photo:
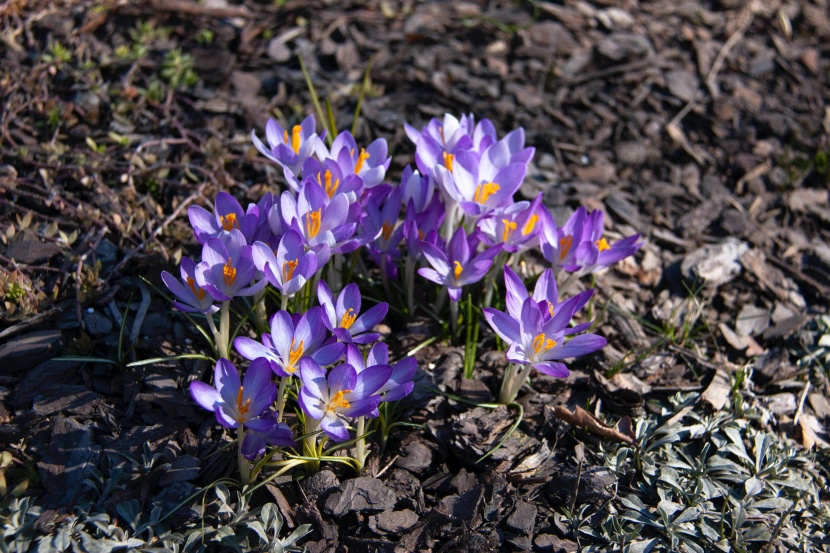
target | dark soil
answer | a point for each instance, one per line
(698, 124)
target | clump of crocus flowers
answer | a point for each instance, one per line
(452, 220)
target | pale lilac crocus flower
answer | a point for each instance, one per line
(227, 215)
(190, 297)
(344, 393)
(370, 164)
(516, 227)
(236, 402)
(290, 267)
(227, 267)
(343, 317)
(545, 294)
(400, 382)
(456, 268)
(290, 149)
(265, 430)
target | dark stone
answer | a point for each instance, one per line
(32, 252)
(523, 518)
(320, 485)
(27, 351)
(49, 372)
(464, 507)
(67, 462)
(554, 544)
(69, 398)
(96, 323)
(416, 458)
(362, 495)
(133, 440)
(394, 522)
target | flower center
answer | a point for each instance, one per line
(312, 222)
(348, 318)
(294, 356)
(448, 159)
(242, 408)
(339, 401)
(530, 225)
(565, 244)
(541, 344)
(229, 273)
(288, 269)
(329, 187)
(364, 155)
(197, 291)
(602, 244)
(229, 221)
(457, 270)
(295, 138)
(386, 230)
(509, 227)
(484, 191)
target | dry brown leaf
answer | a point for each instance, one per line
(581, 417)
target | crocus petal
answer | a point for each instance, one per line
(553, 369)
(206, 396)
(371, 380)
(334, 428)
(370, 318)
(504, 325)
(581, 345)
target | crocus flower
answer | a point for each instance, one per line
(235, 402)
(344, 393)
(540, 341)
(370, 164)
(457, 268)
(227, 215)
(579, 246)
(545, 294)
(227, 267)
(190, 297)
(400, 382)
(482, 184)
(290, 149)
(290, 268)
(318, 219)
(439, 141)
(343, 317)
(516, 227)
(291, 339)
(265, 430)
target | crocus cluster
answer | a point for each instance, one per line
(452, 219)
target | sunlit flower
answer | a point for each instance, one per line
(400, 382)
(343, 317)
(227, 215)
(232, 401)
(290, 268)
(190, 297)
(370, 163)
(516, 227)
(290, 147)
(227, 267)
(456, 268)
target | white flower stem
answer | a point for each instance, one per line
(224, 335)
(281, 397)
(454, 317)
(360, 445)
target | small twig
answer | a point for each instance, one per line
(193, 8)
(801, 404)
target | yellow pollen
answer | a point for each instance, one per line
(348, 319)
(360, 160)
(530, 225)
(542, 343)
(295, 138)
(484, 191)
(602, 244)
(294, 356)
(420, 234)
(242, 409)
(312, 223)
(339, 401)
(509, 227)
(229, 273)
(386, 230)
(200, 294)
(448, 159)
(288, 269)
(457, 270)
(229, 221)
(329, 187)
(550, 309)
(565, 246)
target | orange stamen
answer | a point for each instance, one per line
(386, 230)
(530, 225)
(288, 269)
(542, 343)
(329, 187)
(484, 191)
(200, 294)
(565, 246)
(295, 138)
(312, 223)
(360, 160)
(348, 319)
(602, 244)
(229, 221)
(448, 159)
(294, 356)
(457, 270)
(550, 309)
(242, 409)
(229, 273)
(509, 227)
(339, 401)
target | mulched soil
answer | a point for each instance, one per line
(702, 125)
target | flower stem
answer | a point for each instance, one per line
(260, 315)
(283, 302)
(224, 335)
(409, 276)
(281, 397)
(360, 445)
(213, 330)
(310, 443)
(244, 465)
(454, 317)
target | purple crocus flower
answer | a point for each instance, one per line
(190, 297)
(370, 164)
(345, 393)
(227, 215)
(291, 339)
(516, 227)
(227, 267)
(318, 219)
(232, 401)
(290, 268)
(482, 184)
(579, 246)
(265, 430)
(456, 269)
(400, 382)
(540, 341)
(440, 140)
(545, 294)
(343, 317)
(290, 149)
